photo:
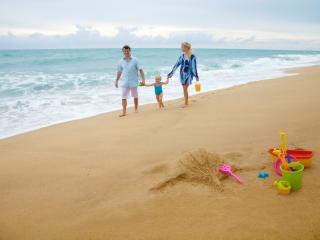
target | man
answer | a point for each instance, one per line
(128, 71)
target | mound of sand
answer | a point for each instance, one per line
(199, 167)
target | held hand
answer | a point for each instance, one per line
(116, 84)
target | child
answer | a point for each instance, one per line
(158, 89)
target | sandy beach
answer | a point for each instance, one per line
(107, 177)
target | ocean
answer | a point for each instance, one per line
(39, 88)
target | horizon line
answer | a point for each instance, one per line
(97, 48)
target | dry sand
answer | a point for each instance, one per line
(111, 178)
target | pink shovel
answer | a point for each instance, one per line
(226, 169)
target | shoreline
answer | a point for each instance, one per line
(287, 73)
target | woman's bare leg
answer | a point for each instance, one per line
(186, 94)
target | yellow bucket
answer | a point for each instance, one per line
(198, 87)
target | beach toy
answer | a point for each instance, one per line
(278, 163)
(284, 161)
(263, 175)
(274, 154)
(276, 167)
(288, 157)
(197, 87)
(293, 177)
(277, 152)
(283, 143)
(226, 169)
(283, 150)
(283, 187)
(305, 157)
(289, 161)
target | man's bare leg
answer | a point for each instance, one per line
(124, 108)
(136, 102)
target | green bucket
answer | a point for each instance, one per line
(293, 177)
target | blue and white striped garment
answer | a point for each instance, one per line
(188, 69)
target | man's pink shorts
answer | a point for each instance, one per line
(126, 91)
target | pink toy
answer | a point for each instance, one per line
(276, 167)
(278, 163)
(226, 169)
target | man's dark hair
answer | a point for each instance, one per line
(126, 47)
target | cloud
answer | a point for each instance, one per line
(89, 37)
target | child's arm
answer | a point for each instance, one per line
(165, 83)
(149, 84)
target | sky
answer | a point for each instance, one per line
(256, 24)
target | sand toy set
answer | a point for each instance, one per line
(290, 165)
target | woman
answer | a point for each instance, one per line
(188, 69)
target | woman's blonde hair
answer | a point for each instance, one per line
(189, 47)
